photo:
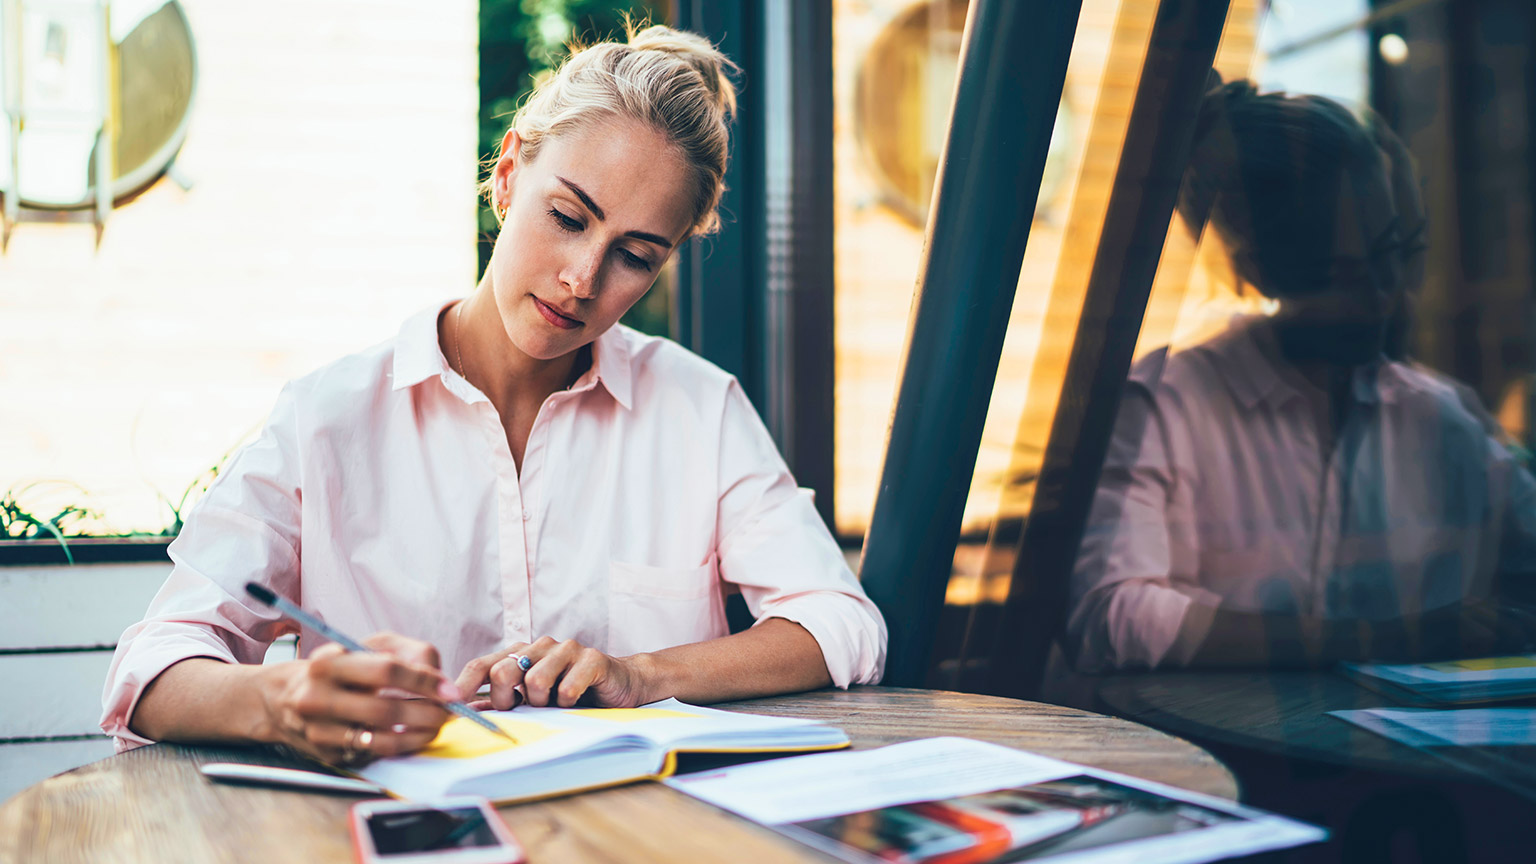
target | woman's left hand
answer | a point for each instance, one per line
(562, 673)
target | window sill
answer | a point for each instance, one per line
(85, 550)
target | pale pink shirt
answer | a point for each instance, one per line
(1216, 492)
(382, 495)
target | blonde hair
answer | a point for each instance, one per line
(673, 81)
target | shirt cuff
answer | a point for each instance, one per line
(136, 667)
(1193, 628)
(852, 638)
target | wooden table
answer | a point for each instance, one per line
(152, 805)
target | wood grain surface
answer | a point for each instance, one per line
(152, 805)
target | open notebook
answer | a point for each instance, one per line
(1451, 682)
(564, 750)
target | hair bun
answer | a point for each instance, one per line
(696, 51)
(1219, 101)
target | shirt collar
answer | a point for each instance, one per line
(1253, 378)
(1248, 373)
(610, 366)
(612, 354)
(419, 356)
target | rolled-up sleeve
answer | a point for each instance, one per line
(245, 529)
(775, 548)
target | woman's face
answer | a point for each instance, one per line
(588, 225)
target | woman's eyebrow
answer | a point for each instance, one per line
(601, 216)
(585, 198)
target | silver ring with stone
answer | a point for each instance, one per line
(523, 663)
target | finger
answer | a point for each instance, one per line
(481, 705)
(321, 658)
(392, 743)
(410, 650)
(328, 651)
(375, 712)
(544, 675)
(589, 667)
(477, 672)
(352, 746)
(378, 671)
(506, 677)
(329, 741)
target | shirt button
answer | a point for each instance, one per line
(518, 624)
(527, 514)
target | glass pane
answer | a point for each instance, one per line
(1317, 498)
(895, 63)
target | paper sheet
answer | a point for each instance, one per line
(776, 792)
(1462, 727)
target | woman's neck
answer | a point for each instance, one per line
(488, 359)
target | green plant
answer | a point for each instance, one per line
(18, 522)
(73, 519)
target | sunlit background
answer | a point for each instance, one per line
(325, 191)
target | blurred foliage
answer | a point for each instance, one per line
(22, 508)
(21, 521)
(521, 40)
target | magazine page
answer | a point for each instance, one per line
(959, 801)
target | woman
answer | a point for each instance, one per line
(1284, 494)
(514, 476)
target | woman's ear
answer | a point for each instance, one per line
(501, 182)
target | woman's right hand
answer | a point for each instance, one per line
(323, 705)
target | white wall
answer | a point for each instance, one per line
(58, 628)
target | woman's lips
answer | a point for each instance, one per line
(564, 322)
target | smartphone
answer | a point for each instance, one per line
(445, 831)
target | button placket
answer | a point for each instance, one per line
(512, 558)
(535, 457)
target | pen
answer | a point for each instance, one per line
(271, 598)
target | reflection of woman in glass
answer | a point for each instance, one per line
(1285, 493)
(552, 503)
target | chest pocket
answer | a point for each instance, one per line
(650, 608)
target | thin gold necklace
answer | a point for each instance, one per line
(458, 339)
(458, 347)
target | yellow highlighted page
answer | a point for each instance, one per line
(462, 739)
(1484, 664)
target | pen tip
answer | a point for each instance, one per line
(261, 592)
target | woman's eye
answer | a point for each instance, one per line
(565, 222)
(633, 260)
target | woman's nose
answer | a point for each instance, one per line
(581, 276)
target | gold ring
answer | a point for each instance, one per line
(349, 747)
